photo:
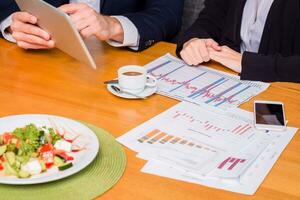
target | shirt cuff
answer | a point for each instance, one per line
(131, 34)
(4, 25)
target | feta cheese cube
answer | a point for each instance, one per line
(63, 145)
(33, 167)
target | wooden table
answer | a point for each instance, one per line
(53, 83)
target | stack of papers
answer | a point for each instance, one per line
(208, 146)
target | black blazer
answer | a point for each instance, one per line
(278, 58)
(155, 20)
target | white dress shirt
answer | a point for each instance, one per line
(131, 34)
(253, 23)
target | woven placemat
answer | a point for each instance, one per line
(103, 173)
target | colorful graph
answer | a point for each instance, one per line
(231, 163)
(159, 137)
(200, 84)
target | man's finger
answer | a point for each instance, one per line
(24, 17)
(30, 29)
(82, 24)
(87, 32)
(26, 45)
(72, 7)
(32, 39)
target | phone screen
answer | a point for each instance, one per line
(269, 114)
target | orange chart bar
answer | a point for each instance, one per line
(148, 135)
(156, 138)
(166, 139)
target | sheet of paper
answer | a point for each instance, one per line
(250, 178)
(201, 84)
(196, 138)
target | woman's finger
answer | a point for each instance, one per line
(187, 59)
(213, 44)
(194, 55)
(203, 51)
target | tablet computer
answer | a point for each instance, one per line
(61, 28)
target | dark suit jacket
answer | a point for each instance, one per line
(155, 20)
(278, 58)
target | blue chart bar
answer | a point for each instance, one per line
(163, 76)
(239, 92)
(186, 82)
(224, 92)
(202, 90)
(159, 66)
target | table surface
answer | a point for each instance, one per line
(51, 82)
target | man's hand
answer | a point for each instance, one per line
(228, 58)
(90, 23)
(195, 51)
(27, 34)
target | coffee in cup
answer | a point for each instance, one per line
(134, 79)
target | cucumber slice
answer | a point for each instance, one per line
(23, 174)
(11, 158)
(22, 159)
(66, 166)
(44, 168)
(58, 161)
(17, 164)
(2, 149)
(11, 147)
(9, 170)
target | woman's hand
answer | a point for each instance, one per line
(227, 57)
(196, 51)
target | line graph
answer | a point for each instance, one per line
(201, 84)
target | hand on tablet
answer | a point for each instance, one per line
(28, 35)
(90, 23)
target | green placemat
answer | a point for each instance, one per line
(103, 173)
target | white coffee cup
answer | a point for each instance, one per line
(134, 79)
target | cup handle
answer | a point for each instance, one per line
(151, 83)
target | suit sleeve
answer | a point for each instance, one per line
(209, 23)
(7, 7)
(160, 20)
(270, 68)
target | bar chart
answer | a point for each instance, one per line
(231, 163)
(201, 84)
(212, 124)
(160, 137)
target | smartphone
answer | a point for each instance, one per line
(269, 115)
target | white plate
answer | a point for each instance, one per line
(146, 93)
(81, 159)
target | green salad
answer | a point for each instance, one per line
(32, 150)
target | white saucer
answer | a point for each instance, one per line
(146, 93)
